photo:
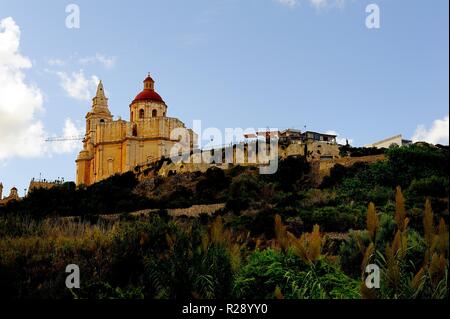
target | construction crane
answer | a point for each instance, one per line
(64, 138)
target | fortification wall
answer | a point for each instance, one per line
(244, 156)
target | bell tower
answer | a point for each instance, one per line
(100, 101)
(99, 112)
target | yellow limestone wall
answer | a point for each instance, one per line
(111, 147)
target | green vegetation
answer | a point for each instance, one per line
(113, 195)
(279, 236)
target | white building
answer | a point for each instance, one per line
(390, 141)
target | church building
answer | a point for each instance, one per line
(117, 146)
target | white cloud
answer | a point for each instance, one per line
(77, 85)
(339, 139)
(436, 134)
(70, 143)
(288, 3)
(21, 133)
(107, 62)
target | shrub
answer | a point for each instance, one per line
(132, 242)
(436, 186)
(112, 195)
(290, 172)
(417, 162)
(332, 218)
(181, 197)
(209, 188)
(268, 271)
(347, 150)
(244, 190)
(195, 265)
(351, 252)
(386, 230)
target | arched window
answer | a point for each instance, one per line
(134, 130)
(132, 116)
(141, 113)
(154, 113)
(102, 121)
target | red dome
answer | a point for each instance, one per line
(148, 95)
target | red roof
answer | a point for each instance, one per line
(147, 94)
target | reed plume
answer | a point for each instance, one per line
(372, 221)
(400, 212)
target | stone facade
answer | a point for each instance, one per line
(41, 183)
(111, 147)
(244, 154)
(313, 150)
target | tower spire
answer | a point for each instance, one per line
(100, 101)
(100, 91)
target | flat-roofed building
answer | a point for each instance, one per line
(390, 141)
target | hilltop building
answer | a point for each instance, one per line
(34, 184)
(390, 141)
(13, 195)
(111, 147)
(313, 145)
(43, 183)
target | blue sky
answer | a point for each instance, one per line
(235, 63)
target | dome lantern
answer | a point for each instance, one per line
(148, 93)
